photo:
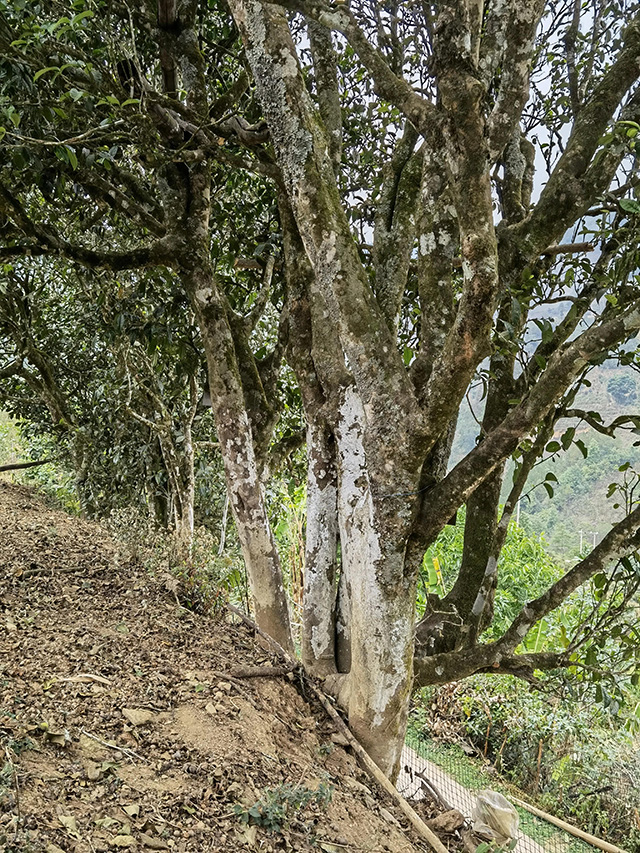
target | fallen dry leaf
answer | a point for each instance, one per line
(138, 716)
(69, 823)
(153, 843)
(123, 841)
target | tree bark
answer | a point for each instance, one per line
(236, 446)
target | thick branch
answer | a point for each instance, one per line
(520, 30)
(47, 241)
(325, 68)
(394, 233)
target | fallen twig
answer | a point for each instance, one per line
(128, 753)
(239, 686)
(86, 677)
(433, 790)
(260, 672)
(285, 656)
(14, 776)
(567, 827)
(19, 466)
(372, 768)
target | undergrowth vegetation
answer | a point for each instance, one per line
(570, 758)
(286, 805)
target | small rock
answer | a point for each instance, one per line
(210, 709)
(138, 716)
(224, 685)
(447, 821)
(94, 772)
(357, 786)
(339, 740)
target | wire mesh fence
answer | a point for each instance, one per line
(438, 771)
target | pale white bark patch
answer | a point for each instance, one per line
(632, 321)
(478, 605)
(380, 628)
(319, 596)
(427, 244)
(289, 65)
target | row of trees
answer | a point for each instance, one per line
(388, 202)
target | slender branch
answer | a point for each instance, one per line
(568, 249)
(420, 112)
(605, 429)
(570, 49)
(561, 368)
(19, 466)
(619, 541)
(572, 185)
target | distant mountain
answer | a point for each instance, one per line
(579, 508)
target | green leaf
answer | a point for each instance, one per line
(81, 16)
(629, 205)
(582, 447)
(553, 447)
(567, 438)
(42, 71)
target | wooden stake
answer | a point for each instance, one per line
(572, 830)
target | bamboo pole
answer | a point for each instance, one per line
(572, 830)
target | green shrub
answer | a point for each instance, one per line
(570, 757)
(278, 807)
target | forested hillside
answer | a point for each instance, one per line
(580, 504)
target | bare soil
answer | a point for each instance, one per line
(121, 726)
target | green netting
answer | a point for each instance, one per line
(537, 835)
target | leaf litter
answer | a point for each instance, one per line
(122, 731)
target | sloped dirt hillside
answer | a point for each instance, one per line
(125, 722)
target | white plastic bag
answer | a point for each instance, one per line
(494, 817)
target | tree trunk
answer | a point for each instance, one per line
(320, 592)
(382, 596)
(241, 468)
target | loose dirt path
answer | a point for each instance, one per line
(453, 792)
(123, 726)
